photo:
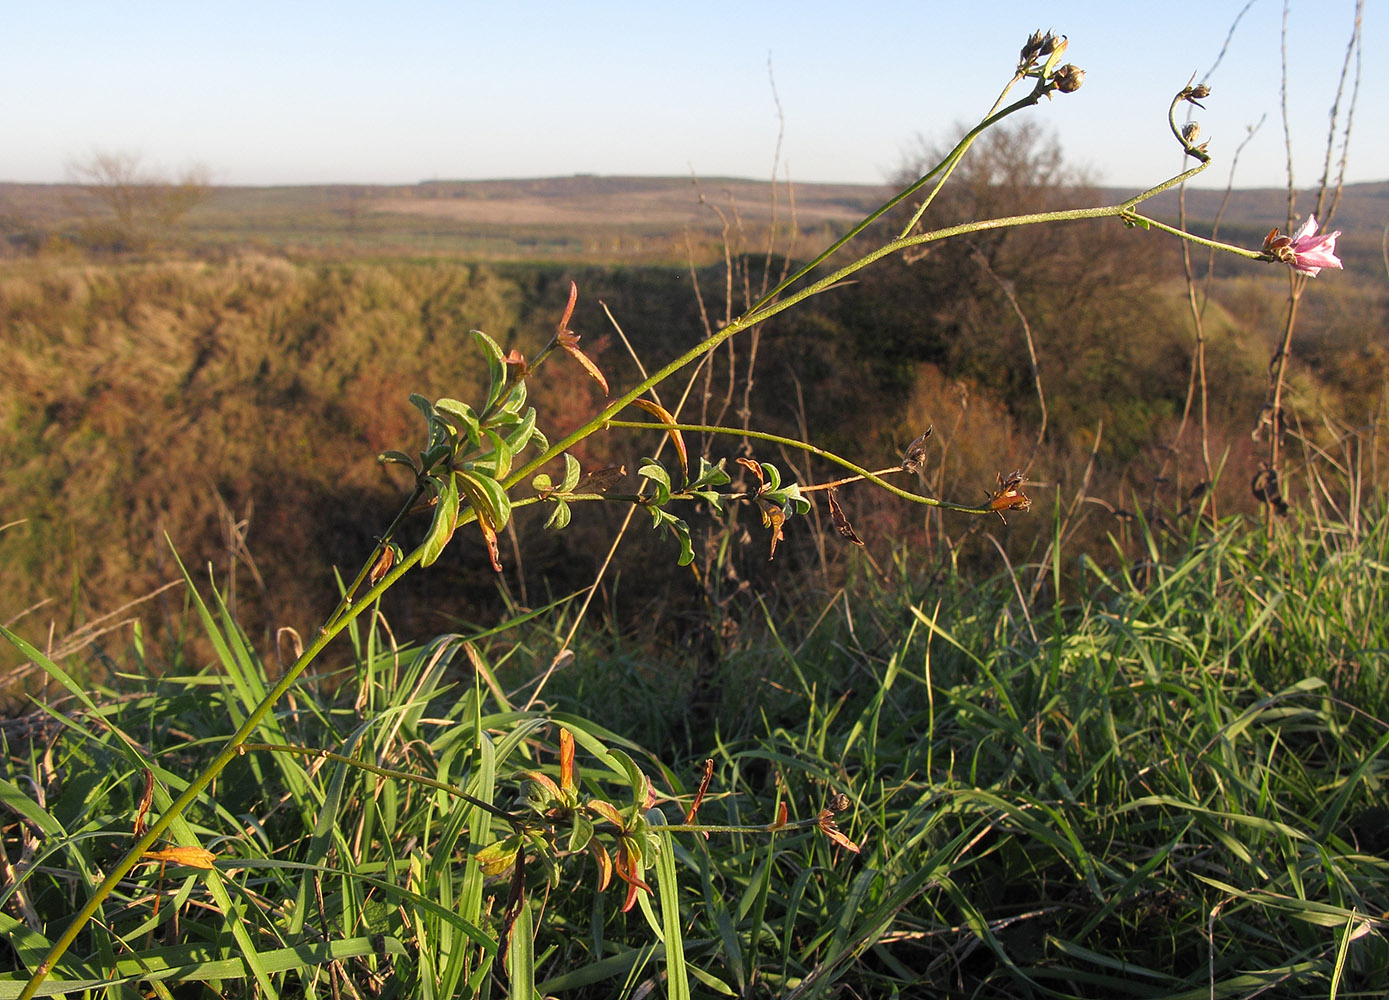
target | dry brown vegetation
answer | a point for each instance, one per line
(235, 400)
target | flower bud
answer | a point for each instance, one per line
(1033, 48)
(1193, 95)
(1191, 131)
(1068, 78)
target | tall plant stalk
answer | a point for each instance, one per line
(473, 458)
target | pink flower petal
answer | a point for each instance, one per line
(1310, 252)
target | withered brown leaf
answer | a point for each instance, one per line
(664, 416)
(840, 521)
(773, 518)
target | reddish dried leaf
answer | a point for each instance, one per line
(382, 566)
(606, 810)
(568, 309)
(827, 827)
(146, 797)
(516, 898)
(193, 857)
(773, 518)
(663, 415)
(604, 862)
(703, 790)
(1009, 496)
(489, 535)
(629, 870)
(756, 469)
(570, 342)
(566, 760)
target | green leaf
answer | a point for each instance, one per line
(499, 855)
(516, 400)
(520, 957)
(636, 779)
(681, 530)
(580, 833)
(520, 436)
(795, 502)
(571, 472)
(668, 887)
(445, 520)
(559, 517)
(463, 414)
(396, 458)
(496, 461)
(664, 520)
(496, 367)
(432, 456)
(711, 497)
(655, 472)
(424, 406)
(710, 475)
(486, 495)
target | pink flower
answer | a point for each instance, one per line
(1308, 252)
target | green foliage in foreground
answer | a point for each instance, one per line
(1170, 787)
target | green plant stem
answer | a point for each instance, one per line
(341, 618)
(952, 160)
(348, 609)
(1191, 238)
(949, 162)
(1123, 210)
(861, 473)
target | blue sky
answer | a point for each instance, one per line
(272, 93)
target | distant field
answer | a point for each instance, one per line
(629, 201)
(587, 218)
(593, 219)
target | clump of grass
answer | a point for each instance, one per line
(1170, 785)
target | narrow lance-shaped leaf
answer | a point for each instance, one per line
(463, 416)
(445, 520)
(663, 415)
(496, 367)
(192, 857)
(492, 505)
(568, 775)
